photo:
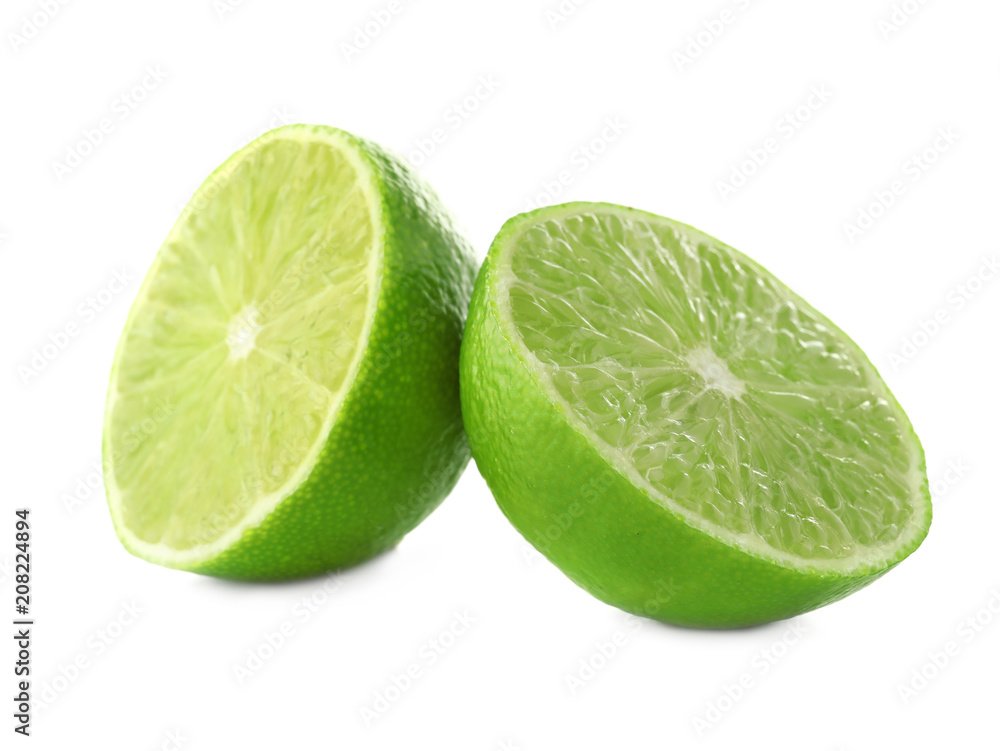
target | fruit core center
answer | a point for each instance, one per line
(715, 372)
(243, 330)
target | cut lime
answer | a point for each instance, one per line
(649, 405)
(284, 398)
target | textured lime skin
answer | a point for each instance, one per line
(398, 446)
(585, 516)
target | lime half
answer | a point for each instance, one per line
(284, 398)
(650, 407)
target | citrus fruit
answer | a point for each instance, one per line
(675, 429)
(284, 397)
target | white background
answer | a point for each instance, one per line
(227, 76)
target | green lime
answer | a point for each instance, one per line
(284, 397)
(657, 413)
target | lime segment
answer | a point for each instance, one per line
(284, 397)
(718, 388)
(649, 405)
(281, 299)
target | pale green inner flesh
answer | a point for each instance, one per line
(246, 330)
(731, 398)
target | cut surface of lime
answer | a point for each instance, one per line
(268, 306)
(713, 389)
(235, 331)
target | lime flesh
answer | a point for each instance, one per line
(754, 437)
